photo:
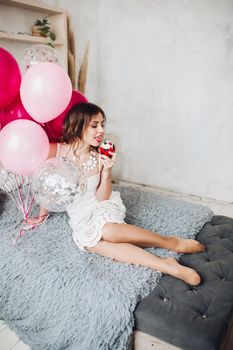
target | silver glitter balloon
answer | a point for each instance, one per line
(40, 53)
(57, 183)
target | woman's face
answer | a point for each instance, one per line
(94, 133)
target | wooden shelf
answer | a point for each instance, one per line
(57, 18)
(33, 5)
(26, 38)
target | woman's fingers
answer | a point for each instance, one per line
(114, 154)
(108, 162)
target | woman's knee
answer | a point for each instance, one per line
(99, 248)
(110, 232)
(94, 249)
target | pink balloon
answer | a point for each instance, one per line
(14, 111)
(45, 91)
(10, 78)
(24, 146)
(54, 128)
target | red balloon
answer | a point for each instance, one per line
(10, 78)
(54, 128)
(13, 112)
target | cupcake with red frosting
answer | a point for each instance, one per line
(106, 147)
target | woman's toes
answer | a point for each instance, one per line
(201, 247)
(198, 247)
(194, 279)
(189, 275)
(184, 273)
(189, 246)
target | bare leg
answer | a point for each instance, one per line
(124, 233)
(129, 253)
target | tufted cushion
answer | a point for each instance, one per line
(195, 317)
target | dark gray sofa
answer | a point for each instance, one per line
(194, 318)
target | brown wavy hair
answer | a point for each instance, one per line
(77, 120)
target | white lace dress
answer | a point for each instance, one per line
(88, 216)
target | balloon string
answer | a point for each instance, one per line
(29, 227)
(21, 233)
(27, 193)
(10, 181)
(10, 190)
(22, 204)
(29, 208)
(10, 187)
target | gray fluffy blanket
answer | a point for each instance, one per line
(58, 297)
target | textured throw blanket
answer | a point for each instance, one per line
(57, 297)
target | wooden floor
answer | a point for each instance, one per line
(10, 341)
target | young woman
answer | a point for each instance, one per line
(97, 220)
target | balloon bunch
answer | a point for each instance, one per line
(32, 111)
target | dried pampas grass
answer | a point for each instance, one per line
(82, 76)
(71, 55)
(80, 81)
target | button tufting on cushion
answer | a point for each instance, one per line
(179, 323)
(204, 316)
(193, 289)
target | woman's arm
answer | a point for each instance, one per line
(105, 187)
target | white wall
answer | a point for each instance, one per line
(163, 72)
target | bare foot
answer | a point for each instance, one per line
(184, 273)
(181, 245)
